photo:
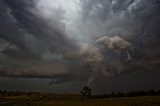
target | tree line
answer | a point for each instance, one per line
(150, 92)
(16, 93)
(86, 93)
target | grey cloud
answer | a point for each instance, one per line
(42, 40)
(118, 45)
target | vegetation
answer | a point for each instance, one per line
(37, 101)
(133, 98)
(86, 93)
(150, 92)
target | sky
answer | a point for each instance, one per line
(61, 46)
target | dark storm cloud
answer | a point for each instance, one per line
(84, 41)
(28, 41)
(29, 19)
(135, 20)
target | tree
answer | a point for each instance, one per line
(86, 93)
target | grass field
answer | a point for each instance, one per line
(74, 100)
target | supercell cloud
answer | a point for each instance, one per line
(78, 40)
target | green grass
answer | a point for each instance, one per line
(74, 100)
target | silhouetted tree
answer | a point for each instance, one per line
(86, 93)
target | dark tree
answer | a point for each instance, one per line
(86, 93)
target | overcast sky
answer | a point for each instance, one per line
(63, 45)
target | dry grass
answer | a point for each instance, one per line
(74, 100)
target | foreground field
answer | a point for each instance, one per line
(74, 100)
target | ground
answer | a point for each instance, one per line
(74, 100)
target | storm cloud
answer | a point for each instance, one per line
(78, 40)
